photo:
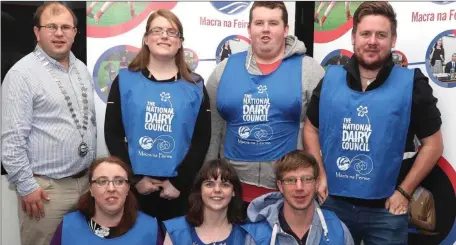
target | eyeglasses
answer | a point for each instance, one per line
(52, 28)
(159, 31)
(104, 183)
(293, 180)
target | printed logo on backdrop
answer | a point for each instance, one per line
(445, 173)
(107, 19)
(399, 58)
(227, 8)
(333, 19)
(231, 7)
(336, 57)
(355, 137)
(191, 58)
(439, 57)
(255, 108)
(159, 118)
(107, 67)
(231, 45)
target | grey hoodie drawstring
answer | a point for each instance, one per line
(274, 234)
(323, 223)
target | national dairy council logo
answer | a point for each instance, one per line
(361, 163)
(164, 143)
(228, 7)
(261, 132)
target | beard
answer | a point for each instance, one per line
(371, 66)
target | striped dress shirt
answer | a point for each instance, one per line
(39, 135)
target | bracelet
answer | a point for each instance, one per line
(405, 194)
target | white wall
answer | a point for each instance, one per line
(8, 214)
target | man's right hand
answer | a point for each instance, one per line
(33, 205)
(148, 185)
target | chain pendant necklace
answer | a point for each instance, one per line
(215, 241)
(83, 148)
(369, 80)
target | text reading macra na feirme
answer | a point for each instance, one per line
(236, 23)
(428, 17)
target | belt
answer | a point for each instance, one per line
(74, 176)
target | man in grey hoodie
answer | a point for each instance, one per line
(259, 99)
(292, 215)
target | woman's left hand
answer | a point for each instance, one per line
(169, 191)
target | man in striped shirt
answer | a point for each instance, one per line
(49, 126)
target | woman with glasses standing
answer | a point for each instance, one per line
(107, 211)
(161, 109)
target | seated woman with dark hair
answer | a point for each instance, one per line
(108, 210)
(216, 210)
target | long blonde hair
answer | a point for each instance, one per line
(142, 59)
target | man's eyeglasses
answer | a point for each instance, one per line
(52, 28)
(159, 31)
(104, 182)
(293, 180)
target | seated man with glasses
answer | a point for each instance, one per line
(293, 215)
(108, 210)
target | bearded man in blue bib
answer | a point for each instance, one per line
(363, 117)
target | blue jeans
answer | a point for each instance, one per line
(373, 226)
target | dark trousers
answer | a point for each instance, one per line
(160, 208)
(373, 226)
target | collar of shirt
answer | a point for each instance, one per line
(286, 228)
(72, 60)
(354, 78)
(151, 77)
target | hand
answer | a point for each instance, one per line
(169, 191)
(148, 185)
(322, 189)
(33, 205)
(397, 204)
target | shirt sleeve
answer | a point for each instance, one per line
(113, 128)
(312, 74)
(17, 115)
(218, 124)
(57, 237)
(313, 111)
(197, 150)
(425, 116)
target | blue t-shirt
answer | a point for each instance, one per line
(228, 241)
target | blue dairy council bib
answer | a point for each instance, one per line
(262, 112)
(180, 232)
(363, 134)
(76, 231)
(159, 118)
